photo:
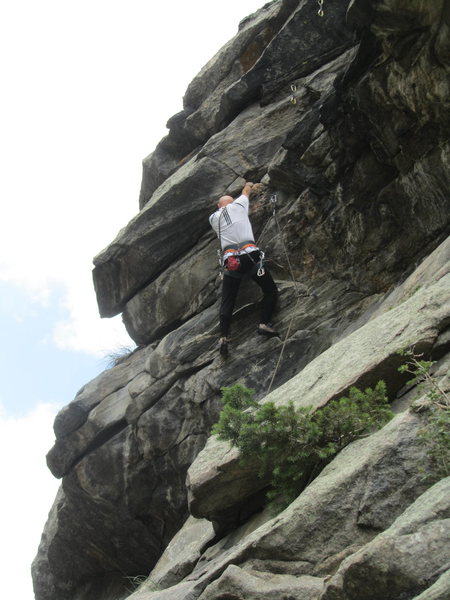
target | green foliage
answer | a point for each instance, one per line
(420, 369)
(117, 356)
(291, 445)
(435, 433)
(435, 436)
(142, 582)
(236, 400)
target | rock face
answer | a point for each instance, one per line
(215, 479)
(404, 559)
(345, 120)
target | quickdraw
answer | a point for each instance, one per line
(320, 11)
(260, 272)
(293, 99)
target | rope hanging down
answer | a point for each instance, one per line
(273, 201)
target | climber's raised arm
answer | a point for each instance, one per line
(247, 189)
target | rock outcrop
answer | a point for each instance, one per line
(345, 120)
(404, 559)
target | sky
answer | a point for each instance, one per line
(87, 88)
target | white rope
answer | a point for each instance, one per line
(282, 348)
(274, 202)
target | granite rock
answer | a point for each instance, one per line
(404, 560)
(345, 121)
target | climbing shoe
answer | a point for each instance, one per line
(223, 347)
(267, 330)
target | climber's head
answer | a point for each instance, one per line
(224, 201)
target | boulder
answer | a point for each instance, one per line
(158, 234)
(405, 559)
(345, 120)
(360, 493)
(97, 412)
(181, 291)
(104, 422)
(74, 415)
(245, 584)
(216, 480)
(181, 554)
(439, 590)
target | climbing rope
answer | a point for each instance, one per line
(266, 225)
(282, 347)
(292, 98)
(273, 201)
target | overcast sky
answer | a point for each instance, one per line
(87, 88)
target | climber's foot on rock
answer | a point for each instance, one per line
(267, 330)
(223, 346)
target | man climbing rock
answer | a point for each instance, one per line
(241, 257)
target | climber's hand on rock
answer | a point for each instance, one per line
(247, 188)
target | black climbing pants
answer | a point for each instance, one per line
(230, 288)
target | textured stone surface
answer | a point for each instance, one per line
(74, 415)
(345, 118)
(182, 553)
(124, 468)
(216, 481)
(433, 268)
(184, 289)
(204, 111)
(360, 493)
(158, 234)
(405, 559)
(439, 590)
(255, 585)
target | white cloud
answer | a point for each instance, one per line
(87, 90)
(28, 491)
(83, 330)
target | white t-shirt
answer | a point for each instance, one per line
(235, 226)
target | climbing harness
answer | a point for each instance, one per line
(232, 260)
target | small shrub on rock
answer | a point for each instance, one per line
(434, 435)
(291, 445)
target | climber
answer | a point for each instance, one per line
(240, 257)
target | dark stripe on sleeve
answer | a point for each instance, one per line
(227, 217)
